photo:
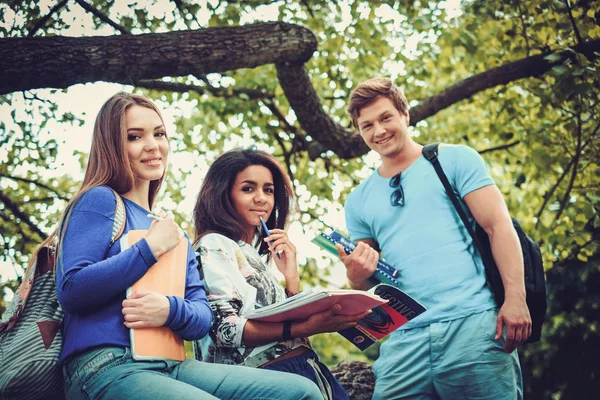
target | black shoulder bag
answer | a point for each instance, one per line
(535, 281)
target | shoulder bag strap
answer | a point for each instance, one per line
(430, 152)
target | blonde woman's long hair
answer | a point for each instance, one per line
(108, 163)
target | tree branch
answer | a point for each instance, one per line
(279, 115)
(288, 127)
(567, 195)
(286, 157)
(302, 97)
(593, 156)
(521, 17)
(42, 185)
(21, 215)
(40, 62)
(181, 7)
(310, 11)
(103, 17)
(46, 17)
(549, 195)
(573, 23)
(28, 95)
(37, 62)
(36, 200)
(346, 143)
(252, 94)
(502, 75)
(501, 147)
(595, 237)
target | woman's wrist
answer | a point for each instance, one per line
(156, 248)
(298, 330)
(292, 284)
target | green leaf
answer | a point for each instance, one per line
(552, 57)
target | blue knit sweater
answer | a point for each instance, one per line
(92, 278)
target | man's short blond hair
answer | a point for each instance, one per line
(369, 91)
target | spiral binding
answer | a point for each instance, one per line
(384, 273)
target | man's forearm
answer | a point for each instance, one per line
(508, 256)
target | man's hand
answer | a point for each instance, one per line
(360, 264)
(145, 309)
(514, 315)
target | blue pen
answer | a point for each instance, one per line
(267, 232)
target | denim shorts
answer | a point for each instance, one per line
(457, 359)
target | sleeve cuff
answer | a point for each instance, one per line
(479, 185)
(172, 310)
(146, 252)
(240, 325)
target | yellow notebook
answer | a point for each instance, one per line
(168, 277)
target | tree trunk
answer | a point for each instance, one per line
(357, 378)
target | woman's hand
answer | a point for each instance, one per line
(257, 333)
(279, 243)
(144, 309)
(326, 321)
(164, 234)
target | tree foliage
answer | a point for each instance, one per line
(516, 80)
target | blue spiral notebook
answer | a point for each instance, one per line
(384, 273)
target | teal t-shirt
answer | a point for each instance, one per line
(425, 239)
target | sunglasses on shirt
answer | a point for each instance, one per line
(397, 197)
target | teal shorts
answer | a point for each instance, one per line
(456, 359)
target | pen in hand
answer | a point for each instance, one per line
(267, 232)
(161, 216)
(154, 216)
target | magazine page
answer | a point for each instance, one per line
(303, 305)
(383, 320)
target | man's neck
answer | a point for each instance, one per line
(390, 166)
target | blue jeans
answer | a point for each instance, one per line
(111, 373)
(308, 365)
(456, 359)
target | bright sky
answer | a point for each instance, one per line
(85, 100)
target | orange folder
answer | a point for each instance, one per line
(168, 277)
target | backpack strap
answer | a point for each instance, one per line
(120, 219)
(118, 223)
(45, 262)
(430, 152)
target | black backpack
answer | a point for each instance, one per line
(535, 281)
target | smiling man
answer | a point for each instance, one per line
(463, 346)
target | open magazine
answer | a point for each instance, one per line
(384, 319)
(391, 308)
(305, 304)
